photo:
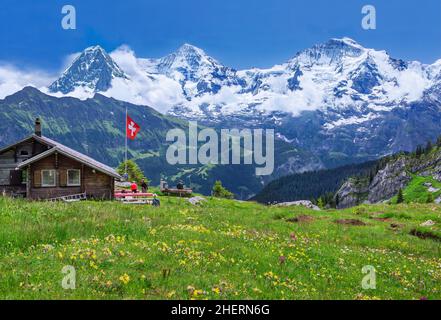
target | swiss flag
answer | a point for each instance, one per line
(132, 128)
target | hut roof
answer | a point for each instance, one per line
(68, 152)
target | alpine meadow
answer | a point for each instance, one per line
(223, 249)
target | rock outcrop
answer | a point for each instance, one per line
(395, 175)
(352, 193)
(303, 203)
(197, 200)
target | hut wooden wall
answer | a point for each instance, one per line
(7, 163)
(96, 184)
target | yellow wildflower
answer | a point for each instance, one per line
(216, 290)
(124, 278)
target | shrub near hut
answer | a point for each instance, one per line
(133, 171)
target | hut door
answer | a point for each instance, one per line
(15, 178)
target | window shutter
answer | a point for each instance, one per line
(63, 178)
(37, 178)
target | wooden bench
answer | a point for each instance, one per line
(177, 192)
(135, 198)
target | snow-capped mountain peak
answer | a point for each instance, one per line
(330, 52)
(348, 41)
(93, 70)
(197, 72)
(434, 70)
(97, 49)
(188, 60)
(188, 50)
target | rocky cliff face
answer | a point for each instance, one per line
(385, 184)
(389, 181)
(351, 193)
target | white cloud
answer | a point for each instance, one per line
(277, 98)
(409, 83)
(309, 98)
(12, 79)
(157, 91)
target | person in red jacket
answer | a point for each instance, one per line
(134, 187)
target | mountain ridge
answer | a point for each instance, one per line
(187, 61)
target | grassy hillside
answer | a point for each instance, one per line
(417, 191)
(221, 250)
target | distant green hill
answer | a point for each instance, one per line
(311, 185)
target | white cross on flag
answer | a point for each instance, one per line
(132, 128)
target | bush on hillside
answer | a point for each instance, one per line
(220, 192)
(429, 198)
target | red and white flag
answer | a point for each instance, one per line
(132, 128)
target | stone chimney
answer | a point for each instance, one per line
(38, 127)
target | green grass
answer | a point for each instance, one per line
(221, 250)
(417, 192)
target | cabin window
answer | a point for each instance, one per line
(24, 153)
(48, 178)
(73, 178)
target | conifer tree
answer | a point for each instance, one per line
(429, 198)
(419, 151)
(438, 141)
(400, 197)
(429, 147)
(320, 203)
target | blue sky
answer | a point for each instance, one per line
(239, 33)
